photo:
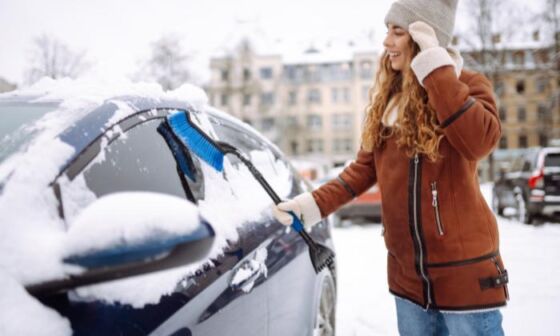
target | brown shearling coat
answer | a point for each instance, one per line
(441, 236)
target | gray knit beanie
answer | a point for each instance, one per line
(439, 14)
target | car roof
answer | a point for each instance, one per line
(95, 122)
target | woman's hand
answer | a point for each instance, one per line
(431, 56)
(423, 35)
(303, 206)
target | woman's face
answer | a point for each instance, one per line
(397, 45)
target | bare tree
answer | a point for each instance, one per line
(491, 25)
(552, 24)
(168, 64)
(52, 58)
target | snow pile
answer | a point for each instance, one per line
(19, 309)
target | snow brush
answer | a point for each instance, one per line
(213, 152)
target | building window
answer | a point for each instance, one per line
(266, 73)
(294, 147)
(543, 140)
(314, 96)
(292, 97)
(342, 146)
(314, 122)
(224, 75)
(342, 121)
(519, 58)
(315, 146)
(503, 142)
(267, 124)
(499, 89)
(503, 113)
(334, 95)
(365, 92)
(366, 70)
(541, 84)
(346, 94)
(224, 99)
(246, 74)
(521, 113)
(520, 86)
(522, 141)
(542, 112)
(246, 99)
(267, 98)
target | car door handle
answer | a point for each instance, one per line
(245, 276)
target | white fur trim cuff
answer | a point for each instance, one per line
(310, 212)
(429, 60)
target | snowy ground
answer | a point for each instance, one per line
(531, 255)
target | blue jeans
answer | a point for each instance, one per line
(414, 320)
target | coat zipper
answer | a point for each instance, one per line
(417, 233)
(435, 205)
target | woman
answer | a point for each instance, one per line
(428, 124)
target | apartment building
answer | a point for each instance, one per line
(310, 104)
(526, 81)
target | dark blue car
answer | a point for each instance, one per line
(248, 276)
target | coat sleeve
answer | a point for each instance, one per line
(355, 179)
(465, 110)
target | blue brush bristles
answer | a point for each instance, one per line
(196, 140)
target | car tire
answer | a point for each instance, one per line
(523, 213)
(499, 210)
(325, 316)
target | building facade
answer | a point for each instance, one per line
(310, 105)
(527, 87)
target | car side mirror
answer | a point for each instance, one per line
(131, 233)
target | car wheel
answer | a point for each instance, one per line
(496, 205)
(325, 316)
(523, 213)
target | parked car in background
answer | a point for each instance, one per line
(365, 208)
(115, 227)
(531, 185)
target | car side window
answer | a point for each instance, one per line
(138, 160)
(552, 160)
(273, 168)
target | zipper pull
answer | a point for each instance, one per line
(416, 159)
(434, 194)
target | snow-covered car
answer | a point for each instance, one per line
(104, 232)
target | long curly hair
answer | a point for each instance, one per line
(416, 128)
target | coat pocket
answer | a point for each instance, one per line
(436, 205)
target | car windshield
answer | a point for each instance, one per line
(15, 128)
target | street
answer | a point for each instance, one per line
(531, 255)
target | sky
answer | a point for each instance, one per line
(116, 34)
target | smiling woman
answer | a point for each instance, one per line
(398, 46)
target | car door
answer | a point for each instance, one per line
(291, 280)
(147, 157)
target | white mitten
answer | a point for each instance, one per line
(303, 206)
(423, 34)
(431, 56)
